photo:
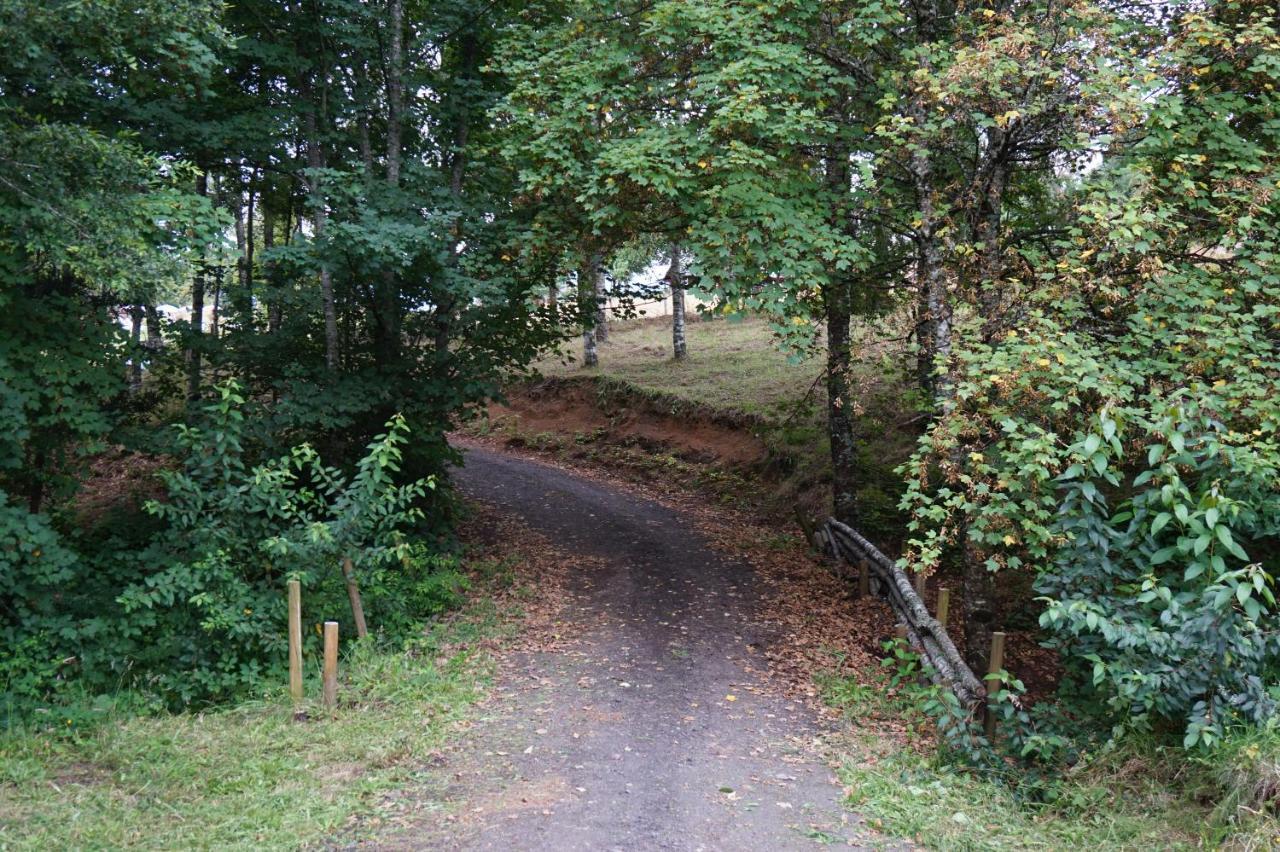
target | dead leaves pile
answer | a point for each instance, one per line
(530, 590)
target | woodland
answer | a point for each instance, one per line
(374, 215)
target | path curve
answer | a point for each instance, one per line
(649, 733)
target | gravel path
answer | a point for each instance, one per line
(646, 732)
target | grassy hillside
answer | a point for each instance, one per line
(736, 365)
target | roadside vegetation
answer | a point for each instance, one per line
(1020, 261)
(1142, 793)
(111, 772)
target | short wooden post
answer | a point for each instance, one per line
(864, 578)
(810, 534)
(995, 664)
(944, 606)
(353, 594)
(331, 664)
(919, 578)
(295, 641)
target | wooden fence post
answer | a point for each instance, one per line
(919, 584)
(994, 665)
(330, 664)
(944, 607)
(295, 642)
(864, 578)
(900, 633)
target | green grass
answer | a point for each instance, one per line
(250, 777)
(1137, 795)
(733, 364)
(736, 365)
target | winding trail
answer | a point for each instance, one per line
(648, 732)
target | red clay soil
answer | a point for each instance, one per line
(570, 409)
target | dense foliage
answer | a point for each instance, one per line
(315, 187)
(1074, 204)
(1069, 210)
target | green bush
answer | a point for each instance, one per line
(192, 610)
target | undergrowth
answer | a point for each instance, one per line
(1135, 793)
(251, 777)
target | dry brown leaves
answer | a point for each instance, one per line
(815, 626)
(525, 575)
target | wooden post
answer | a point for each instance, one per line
(864, 579)
(944, 606)
(810, 535)
(295, 642)
(353, 593)
(995, 664)
(919, 578)
(330, 664)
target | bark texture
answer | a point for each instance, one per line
(588, 287)
(675, 280)
(838, 298)
(197, 310)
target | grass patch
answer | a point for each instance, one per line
(736, 366)
(733, 364)
(250, 776)
(1137, 795)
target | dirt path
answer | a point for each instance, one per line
(646, 731)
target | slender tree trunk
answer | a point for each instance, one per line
(935, 302)
(838, 298)
(387, 296)
(844, 457)
(275, 306)
(216, 317)
(197, 308)
(155, 334)
(602, 305)
(319, 214)
(135, 348)
(587, 289)
(246, 275)
(981, 612)
(990, 211)
(469, 60)
(675, 280)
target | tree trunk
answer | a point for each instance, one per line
(387, 295)
(244, 301)
(587, 289)
(675, 280)
(844, 457)
(275, 307)
(319, 214)
(935, 303)
(135, 348)
(155, 334)
(990, 209)
(197, 308)
(602, 303)
(978, 584)
(838, 298)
